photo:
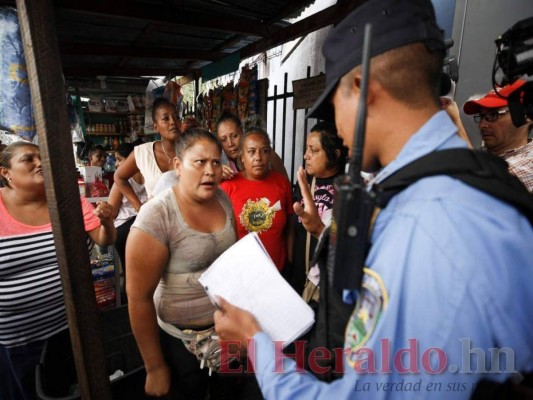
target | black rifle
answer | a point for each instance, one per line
(341, 261)
(353, 204)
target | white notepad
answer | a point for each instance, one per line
(245, 276)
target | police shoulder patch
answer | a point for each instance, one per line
(371, 302)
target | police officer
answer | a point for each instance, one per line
(446, 293)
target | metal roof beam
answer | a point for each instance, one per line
(122, 71)
(93, 49)
(94, 85)
(129, 10)
(293, 7)
(321, 19)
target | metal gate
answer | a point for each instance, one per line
(288, 127)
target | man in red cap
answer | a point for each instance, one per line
(500, 136)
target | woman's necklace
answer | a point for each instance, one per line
(165, 152)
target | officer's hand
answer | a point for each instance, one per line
(234, 323)
(308, 213)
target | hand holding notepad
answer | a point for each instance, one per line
(246, 277)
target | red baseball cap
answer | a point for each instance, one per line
(491, 99)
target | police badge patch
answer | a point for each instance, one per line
(371, 302)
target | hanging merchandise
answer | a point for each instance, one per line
(136, 103)
(173, 94)
(154, 90)
(16, 110)
(95, 105)
(229, 98)
(188, 91)
(253, 93)
(244, 87)
(208, 110)
(200, 107)
(8, 138)
(110, 106)
(209, 104)
(122, 106)
(179, 103)
(217, 103)
(74, 121)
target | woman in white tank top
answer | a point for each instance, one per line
(154, 158)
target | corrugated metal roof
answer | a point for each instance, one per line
(169, 37)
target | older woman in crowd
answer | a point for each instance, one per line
(261, 197)
(324, 159)
(31, 298)
(229, 132)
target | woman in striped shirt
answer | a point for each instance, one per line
(31, 299)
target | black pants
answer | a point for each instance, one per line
(120, 245)
(17, 371)
(191, 382)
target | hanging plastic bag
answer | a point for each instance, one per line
(74, 121)
(16, 110)
(154, 90)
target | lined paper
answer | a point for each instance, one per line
(245, 276)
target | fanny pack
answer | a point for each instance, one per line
(203, 344)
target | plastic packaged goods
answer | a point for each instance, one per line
(103, 271)
(154, 90)
(172, 92)
(95, 105)
(94, 187)
(122, 106)
(98, 188)
(111, 106)
(81, 184)
(16, 110)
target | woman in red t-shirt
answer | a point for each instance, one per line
(261, 198)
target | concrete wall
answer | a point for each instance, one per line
(306, 53)
(477, 23)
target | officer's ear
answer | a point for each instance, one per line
(373, 85)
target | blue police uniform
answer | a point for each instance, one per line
(446, 297)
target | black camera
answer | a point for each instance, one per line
(449, 75)
(514, 60)
(515, 51)
(448, 78)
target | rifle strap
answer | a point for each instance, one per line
(481, 170)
